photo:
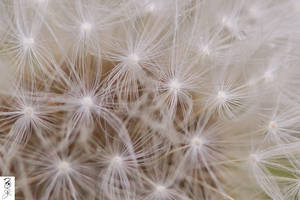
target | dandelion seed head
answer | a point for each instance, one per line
(155, 105)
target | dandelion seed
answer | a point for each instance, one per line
(272, 125)
(28, 42)
(58, 174)
(227, 22)
(222, 97)
(268, 76)
(133, 58)
(205, 50)
(160, 188)
(87, 102)
(117, 160)
(197, 142)
(86, 27)
(28, 112)
(63, 167)
(150, 7)
(118, 167)
(174, 85)
(254, 158)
